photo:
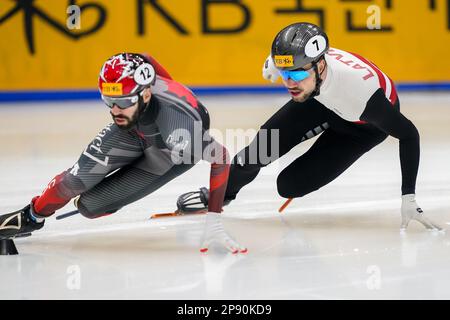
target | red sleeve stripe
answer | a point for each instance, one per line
(392, 95)
(219, 175)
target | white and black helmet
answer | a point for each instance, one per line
(298, 45)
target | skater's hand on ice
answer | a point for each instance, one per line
(411, 211)
(269, 71)
(214, 232)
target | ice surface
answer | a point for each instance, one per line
(341, 242)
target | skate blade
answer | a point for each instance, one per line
(175, 214)
(164, 215)
(22, 235)
(285, 204)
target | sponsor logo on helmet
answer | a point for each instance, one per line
(112, 89)
(284, 61)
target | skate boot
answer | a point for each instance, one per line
(195, 201)
(19, 223)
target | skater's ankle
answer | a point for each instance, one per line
(33, 215)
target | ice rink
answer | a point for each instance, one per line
(341, 242)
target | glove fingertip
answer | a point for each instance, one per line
(203, 250)
(245, 250)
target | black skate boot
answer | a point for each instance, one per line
(18, 224)
(194, 201)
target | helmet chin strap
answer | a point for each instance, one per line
(319, 80)
(142, 106)
(316, 91)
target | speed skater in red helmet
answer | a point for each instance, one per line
(160, 130)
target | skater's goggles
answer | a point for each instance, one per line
(296, 75)
(121, 102)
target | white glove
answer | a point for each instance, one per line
(214, 232)
(411, 211)
(269, 71)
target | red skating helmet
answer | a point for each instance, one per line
(125, 74)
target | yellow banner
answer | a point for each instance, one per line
(61, 44)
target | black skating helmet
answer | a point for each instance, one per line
(298, 45)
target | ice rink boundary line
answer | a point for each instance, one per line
(59, 95)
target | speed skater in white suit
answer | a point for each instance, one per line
(339, 96)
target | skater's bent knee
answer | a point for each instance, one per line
(92, 213)
(289, 186)
(284, 187)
